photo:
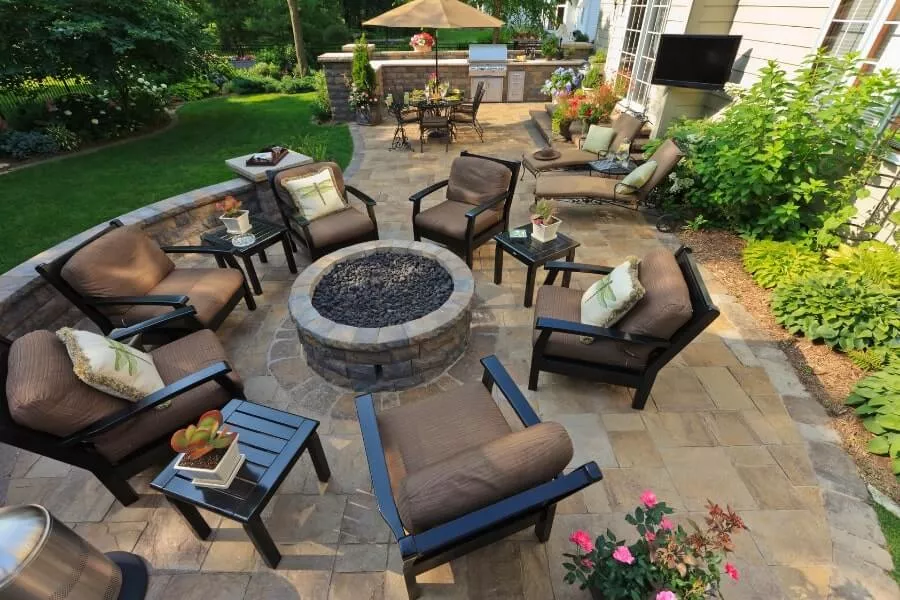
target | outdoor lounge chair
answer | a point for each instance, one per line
(121, 277)
(47, 410)
(675, 309)
(572, 186)
(480, 190)
(333, 231)
(450, 475)
(625, 125)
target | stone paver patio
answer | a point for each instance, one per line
(727, 421)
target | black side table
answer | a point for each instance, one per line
(272, 440)
(267, 234)
(533, 253)
(611, 167)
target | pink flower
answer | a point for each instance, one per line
(588, 563)
(666, 595)
(649, 536)
(648, 498)
(732, 571)
(667, 524)
(583, 540)
(623, 555)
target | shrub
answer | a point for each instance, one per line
(216, 68)
(298, 85)
(310, 146)
(578, 36)
(873, 359)
(842, 312)
(195, 88)
(65, 139)
(874, 262)
(322, 102)
(362, 75)
(772, 263)
(25, 144)
(265, 69)
(549, 46)
(250, 84)
(877, 402)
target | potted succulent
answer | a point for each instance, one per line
(665, 563)
(235, 219)
(422, 42)
(208, 454)
(544, 222)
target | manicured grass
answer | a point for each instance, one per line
(43, 205)
(890, 525)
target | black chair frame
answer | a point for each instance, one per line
(535, 507)
(704, 313)
(90, 306)
(78, 450)
(298, 226)
(467, 246)
(397, 108)
(470, 112)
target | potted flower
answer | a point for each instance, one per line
(563, 81)
(666, 563)
(422, 42)
(233, 217)
(544, 222)
(208, 454)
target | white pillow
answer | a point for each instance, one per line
(610, 298)
(598, 139)
(109, 366)
(315, 195)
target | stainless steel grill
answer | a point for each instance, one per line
(487, 64)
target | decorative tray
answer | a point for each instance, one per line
(267, 157)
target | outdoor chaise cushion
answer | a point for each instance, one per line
(44, 394)
(575, 186)
(208, 290)
(569, 158)
(449, 218)
(475, 180)
(448, 440)
(339, 227)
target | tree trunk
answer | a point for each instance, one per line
(298, 36)
(497, 11)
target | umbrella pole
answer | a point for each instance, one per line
(436, 74)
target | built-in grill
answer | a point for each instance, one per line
(487, 63)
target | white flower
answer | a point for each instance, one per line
(68, 113)
(140, 80)
(162, 85)
(95, 121)
(102, 112)
(119, 108)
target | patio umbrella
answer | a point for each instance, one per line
(436, 14)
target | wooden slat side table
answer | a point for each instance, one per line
(272, 440)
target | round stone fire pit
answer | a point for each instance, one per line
(383, 315)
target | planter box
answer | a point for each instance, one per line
(545, 233)
(240, 224)
(222, 475)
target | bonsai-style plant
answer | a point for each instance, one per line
(363, 97)
(235, 219)
(666, 563)
(196, 441)
(422, 42)
(544, 222)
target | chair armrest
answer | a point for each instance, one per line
(378, 470)
(486, 206)
(157, 300)
(361, 195)
(417, 197)
(197, 250)
(301, 221)
(496, 373)
(216, 371)
(571, 267)
(123, 333)
(550, 325)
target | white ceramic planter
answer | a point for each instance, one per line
(239, 224)
(545, 233)
(222, 475)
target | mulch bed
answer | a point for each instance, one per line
(828, 375)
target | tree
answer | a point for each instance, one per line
(297, 30)
(528, 11)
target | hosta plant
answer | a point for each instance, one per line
(771, 263)
(873, 262)
(843, 313)
(204, 437)
(877, 402)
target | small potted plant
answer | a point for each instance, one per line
(422, 42)
(544, 223)
(235, 219)
(207, 453)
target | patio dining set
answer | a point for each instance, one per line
(449, 472)
(438, 115)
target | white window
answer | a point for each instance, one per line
(644, 22)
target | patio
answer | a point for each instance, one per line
(727, 421)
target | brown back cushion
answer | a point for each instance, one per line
(483, 475)
(626, 126)
(666, 157)
(124, 262)
(310, 169)
(477, 180)
(43, 392)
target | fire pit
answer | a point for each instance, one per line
(383, 315)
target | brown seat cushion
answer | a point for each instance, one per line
(477, 180)
(483, 475)
(449, 218)
(428, 431)
(123, 262)
(562, 185)
(569, 157)
(208, 291)
(339, 227)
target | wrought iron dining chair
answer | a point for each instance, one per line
(404, 114)
(467, 114)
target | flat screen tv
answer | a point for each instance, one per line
(695, 61)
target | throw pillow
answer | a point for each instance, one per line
(610, 298)
(315, 195)
(598, 139)
(637, 178)
(110, 366)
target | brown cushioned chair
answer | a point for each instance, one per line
(480, 190)
(121, 277)
(675, 309)
(451, 475)
(625, 125)
(47, 410)
(572, 186)
(467, 113)
(333, 231)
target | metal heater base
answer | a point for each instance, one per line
(134, 575)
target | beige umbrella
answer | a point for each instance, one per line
(436, 14)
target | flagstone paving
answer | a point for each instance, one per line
(716, 427)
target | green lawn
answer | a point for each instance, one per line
(43, 205)
(890, 525)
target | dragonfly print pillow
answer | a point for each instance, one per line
(315, 195)
(610, 298)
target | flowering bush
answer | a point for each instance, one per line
(562, 81)
(361, 97)
(666, 563)
(422, 39)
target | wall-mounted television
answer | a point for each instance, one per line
(695, 61)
